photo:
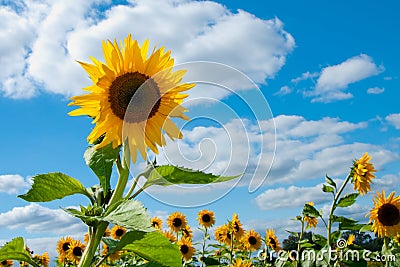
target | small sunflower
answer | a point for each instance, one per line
(117, 232)
(385, 215)
(206, 218)
(45, 259)
(107, 232)
(6, 263)
(127, 69)
(63, 247)
(363, 174)
(156, 223)
(187, 232)
(237, 229)
(272, 241)
(241, 263)
(86, 238)
(350, 239)
(186, 248)
(252, 240)
(310, 220)
(113, 256)
(222, 234)
(76, 249)
(170, 235)
(176, 221)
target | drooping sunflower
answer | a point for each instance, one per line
(252, 240)
(186, 248)
(113, 256)
(206, 218)
(76, 249)
(170, 236)
(187, 232)
(156, 223)
(6, 263)
(129, 74)
(350, 239)
(310, 220)
(363, 174)
(236, 225)
(241, 263)
(117, 232)
(272, 241)
(385, 215)
(222, 234)
(63, 247)
(176, 221)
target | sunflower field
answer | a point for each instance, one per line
(132, 100)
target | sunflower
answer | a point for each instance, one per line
(115, 83)
(310, 220)
(241, 263)
(63, 247)
(176, 221)
(44, 259)
(385, 215)
(187, 232)
(186, 248)
(252, 240)
(169, 235)
(222, 234)
(6, 263)
(156, 223)
(113, 256)
(350, 239)
(363, 174)
(237, 229)
(272, 241)
(117, 232)
(107, 232)
(76, 249)
(206, 218)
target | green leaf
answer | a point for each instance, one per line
(342, 219)
(366, 228)
(347, 200)
(306, 245)
(328, 189)
(51, 186)
(154, 247)
(15, 250)
(318, 239)
(130, 214)
(168, 175)
(101, 161)
(330, 181)
(310, 211)
(323, 257)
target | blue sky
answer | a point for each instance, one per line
(328, 70)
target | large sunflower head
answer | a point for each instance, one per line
(363, 174)
(156, 223)
(385, 215)
(206, 218)
(223, 234)
(132, 89)
(6, 263)
(186, 248)
(63, 246)
(176, 221)
(117, 232)
(252, 240)
(272, 241)
(76, 249)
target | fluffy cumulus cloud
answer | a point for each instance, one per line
(394, 119)
(332, 82)
(284, 90)
(46, 37)
(12, 183)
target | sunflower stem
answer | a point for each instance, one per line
(91, 247)
(203, 247)
(298, 244)
(333, 207)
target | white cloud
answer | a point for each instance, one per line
(305, 76)
(43, 45)
(334, 80)
(375, 90)
(284, 90)
(12, 183)
(36, 218)
(394, 119)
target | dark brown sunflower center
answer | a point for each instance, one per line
(145, 102)
(236, 227)
(119, 232)
(388, 215)
(4, 262)
(77, 251)
(206, 218)
(154, 224)
(252, 240)
(184, 249)
(65, 246)
(272, 242)
(177, 222)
